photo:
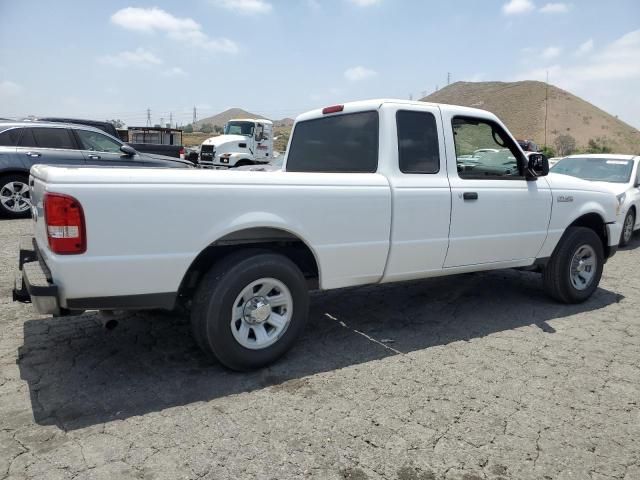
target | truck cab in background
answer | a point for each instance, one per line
(244, 142)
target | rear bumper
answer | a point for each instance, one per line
(33, 282)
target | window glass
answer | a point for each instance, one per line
(27, 139)
(340, 143)
(9, 138)
(596, 169)
(418, 150)
(97, 142)
(483, 149)
(53, 138)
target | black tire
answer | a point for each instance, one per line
(243, 163)
(557, 273)
(625, 236)
(215, 297)
(14, 178)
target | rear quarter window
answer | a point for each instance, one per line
(10, 138)
(339, 143)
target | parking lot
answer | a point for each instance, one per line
(467, 377)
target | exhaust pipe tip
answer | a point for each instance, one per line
(109, 324)
(108, 319)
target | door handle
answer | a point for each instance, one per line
(470, 195)
(93, 157)
(33, 154)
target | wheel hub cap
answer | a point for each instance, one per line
(261, 313)
(257, 310)
(583, 267)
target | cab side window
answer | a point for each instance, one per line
(484, 150)
(418, 150)
(97, 142)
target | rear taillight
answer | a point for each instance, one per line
(182, 153)
(64, 220)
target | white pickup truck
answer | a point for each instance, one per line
(371, 192)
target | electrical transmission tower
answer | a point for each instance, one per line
(195, 116)
(448, 78)
(148, 117)
(170, 119)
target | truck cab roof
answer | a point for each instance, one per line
(375, 104)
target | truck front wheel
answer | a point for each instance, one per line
(249, 309)
(574, 270)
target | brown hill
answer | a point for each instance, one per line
(521, 106)
(221, 118)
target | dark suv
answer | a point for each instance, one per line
(23, 144)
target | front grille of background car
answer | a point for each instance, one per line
(207, 153)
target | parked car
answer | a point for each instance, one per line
(370, 193)
(621, 173)
(24, 144)
(153, 140)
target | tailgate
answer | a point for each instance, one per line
(38, 188)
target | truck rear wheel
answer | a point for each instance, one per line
(575, 268)
(249, 309)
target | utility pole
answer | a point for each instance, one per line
(448, 78)
(195, 116)
(148, 117)
(170, 119)
(162, 121)
(546, 109)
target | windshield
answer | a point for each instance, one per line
(596, 169)
(239, 128)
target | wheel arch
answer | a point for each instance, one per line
(269, 238)
(595, 222)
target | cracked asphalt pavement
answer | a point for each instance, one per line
(469, 377)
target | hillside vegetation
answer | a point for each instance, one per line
(521, 106)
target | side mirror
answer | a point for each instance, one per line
(128, 150)
(537, 164)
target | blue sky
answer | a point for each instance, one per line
(281, 57)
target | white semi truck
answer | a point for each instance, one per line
(244, 142)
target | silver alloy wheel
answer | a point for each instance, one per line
(628, 227)
(583, 267)
(261, 313)
(15, 197)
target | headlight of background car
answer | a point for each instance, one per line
(621, 198)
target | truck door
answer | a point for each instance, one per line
(420, 191)
(496, 214)
(262, 139)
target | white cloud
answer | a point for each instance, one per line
(186, 30)
(175, 72)
(608, 77)
(585, 48)
(551, 52)
(136, 58)
(555, 8)
(355, 74)
(365, 3)
(517, 7)
(9, 89)
(248, 7)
